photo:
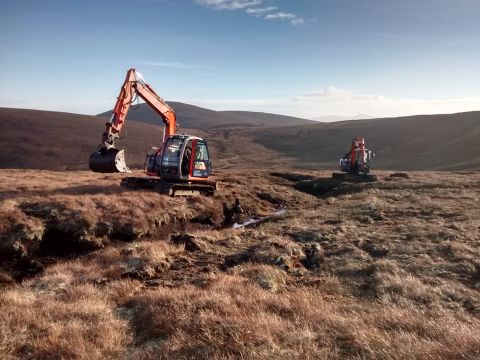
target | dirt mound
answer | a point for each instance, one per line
(67, 222)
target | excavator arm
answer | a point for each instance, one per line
(135, 85)
(108, 158)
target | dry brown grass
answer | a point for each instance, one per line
(389, 270)
(232, 317)
(71, 323)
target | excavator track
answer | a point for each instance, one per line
(171, 188)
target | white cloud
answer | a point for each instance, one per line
(332, 93)
(251, 7)
(166, 64)
(260, 11)
(338, 102)
(341, 102)
(335, 101)
(229, 4)
(280, 16)
(298, 21)
(173, 65)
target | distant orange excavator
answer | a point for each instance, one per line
(180, 166)
(355, 164)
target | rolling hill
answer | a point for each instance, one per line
(34, 139)
(62, 141)
(433, 142)
(194, 117)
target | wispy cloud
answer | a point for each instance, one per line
(280, 16)
(229, 4)
(254, 8)
(297, 21)
(332, 93)
(341, 102)
(260, 11)
(173, 65)
(165, 64)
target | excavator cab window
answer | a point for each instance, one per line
(171, 157)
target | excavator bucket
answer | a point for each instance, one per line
(108, 161)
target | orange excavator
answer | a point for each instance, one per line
(355, 164)
(180, 166)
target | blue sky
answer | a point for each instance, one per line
(306, 58)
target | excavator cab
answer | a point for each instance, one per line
(183, 157)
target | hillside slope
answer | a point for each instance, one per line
(434, 142)
(62, 141)
(33, 139)
(195, 117)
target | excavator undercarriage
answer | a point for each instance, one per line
(170, 187)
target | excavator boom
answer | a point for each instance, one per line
(108, 158)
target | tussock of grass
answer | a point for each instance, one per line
(267, 277)
(233, 317)
(78, 323)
